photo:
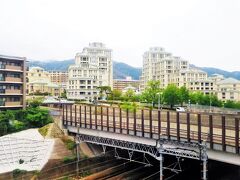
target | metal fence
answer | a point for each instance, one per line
(220, 131)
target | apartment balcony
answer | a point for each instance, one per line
(13, 79)
(10, 91)
(11, 104)
(11, 67)
(15, 103)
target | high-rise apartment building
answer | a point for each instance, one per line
(161, 65)
(92, 68)
(12, 82)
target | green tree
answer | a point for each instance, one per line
(64, 94)
(18, 125)
(197, 97)
(6, 118)
(212, 100)
(37, 117)
(150, 94)
(183, 95)
(171, 95)
(232, 104)
(115, 95)
(35, 102)
(104, 90)
(128, 96)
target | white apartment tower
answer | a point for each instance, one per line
(161, 65)
(92, 68)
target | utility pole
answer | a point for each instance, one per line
(78, 157)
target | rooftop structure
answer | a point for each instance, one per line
(21, 151)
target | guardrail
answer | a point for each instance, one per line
(221, 132)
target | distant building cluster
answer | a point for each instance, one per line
(93, 68)
(168, 69)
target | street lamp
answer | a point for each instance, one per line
(159, 100)
(189, 105)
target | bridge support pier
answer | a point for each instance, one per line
(160, 150)
(204, 170)
(161, 166)
(204, 161)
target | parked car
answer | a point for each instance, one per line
(180, 109)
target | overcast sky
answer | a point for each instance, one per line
(205, 32)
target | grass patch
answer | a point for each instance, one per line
(68, 159)
(44, 130)
(17, 172)
(70, 144)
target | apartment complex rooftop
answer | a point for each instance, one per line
(12, 57)
(229, 81)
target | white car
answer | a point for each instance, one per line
(180, 109)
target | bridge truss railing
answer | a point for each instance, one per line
(179, 149)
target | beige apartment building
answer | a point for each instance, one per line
(228, 89)
(92, 68)
(207, 86)
(12, 82)
(39, 81)
(159, 64)
(59, 77)
(121, 84)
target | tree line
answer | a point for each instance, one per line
(170, 96)
(31, 117)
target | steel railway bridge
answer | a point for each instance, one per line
(157, 133)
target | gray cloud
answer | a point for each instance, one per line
(204, 32)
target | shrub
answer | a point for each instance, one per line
(70, 144)
(129, 106)
(17, 125)
(18, 172)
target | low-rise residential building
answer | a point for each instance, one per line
(39, 82)
(120, 84)
(59, 78)
(228, 89)
(12, 82)
(207, 86)
(92, 68)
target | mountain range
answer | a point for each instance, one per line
(121, 70)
